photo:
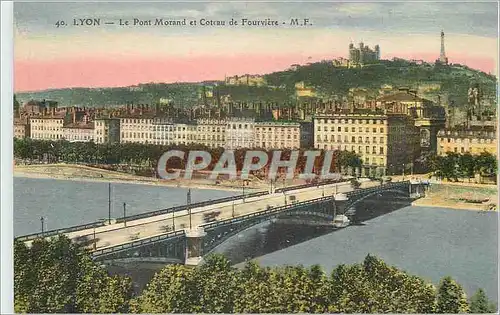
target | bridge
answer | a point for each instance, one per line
(121, 230)
(189, 245)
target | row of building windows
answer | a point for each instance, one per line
(351, 121)
(353, 129)
(474, 140)
(345, 139)
(367, 149)
(264, 136)
(44, 121)
(46, 136)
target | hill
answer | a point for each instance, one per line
(449, 82)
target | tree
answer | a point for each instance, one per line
(467, 164)
(16, 104)
(451, 298)
(57, 276)
(479, 303)
(172, 290)
(486, 164)
(216, 283)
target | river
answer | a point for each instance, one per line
(65, 203)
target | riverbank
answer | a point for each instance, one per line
(91, 174)
(456, 196)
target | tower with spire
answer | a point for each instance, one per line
(442, 57)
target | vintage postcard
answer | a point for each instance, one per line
(255, 157)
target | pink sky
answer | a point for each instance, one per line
(110, 60)
(109, 72)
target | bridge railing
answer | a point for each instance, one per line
(118, 248)
(376, 188)
(86, 226)
(279, 209)
(322, 183)
(33, 236)
(185, 207)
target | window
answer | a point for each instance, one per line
(353, 139)
(381, 150)
(339, 128)
(381, 130)
(374, 130)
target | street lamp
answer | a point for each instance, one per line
(124, 214)
(41, 220)
(109, 203)
(233, 209)
(94, 243)
(243, 190)
(189, 208)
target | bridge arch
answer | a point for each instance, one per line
(350, 204)
(210, 245)
(222, 231)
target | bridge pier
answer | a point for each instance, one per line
(194, 246)
(417, 190)
(339, 203)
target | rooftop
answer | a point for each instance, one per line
(80, 126)
(400, 97)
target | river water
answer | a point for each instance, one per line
(65, 203)
(425, 241)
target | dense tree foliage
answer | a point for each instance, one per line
(370, 287)
(479, 303)
(453, 166)
(451, 298)
(148, 155)
(56, 276)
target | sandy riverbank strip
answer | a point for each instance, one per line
(448, 196)
(90, 174)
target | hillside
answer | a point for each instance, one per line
(450, 83)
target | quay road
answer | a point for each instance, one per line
(117, 233)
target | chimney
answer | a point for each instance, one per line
(74, 117)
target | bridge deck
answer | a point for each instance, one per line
(117, 234)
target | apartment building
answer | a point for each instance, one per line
(78, 132)
(277, 135)
(185, 134)
(136, 128)
(211, 132)
(163, 131)
(240, 133)
(106, 130)
(474, 140)
(47, 127)
(21, 128)
(385, 142)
